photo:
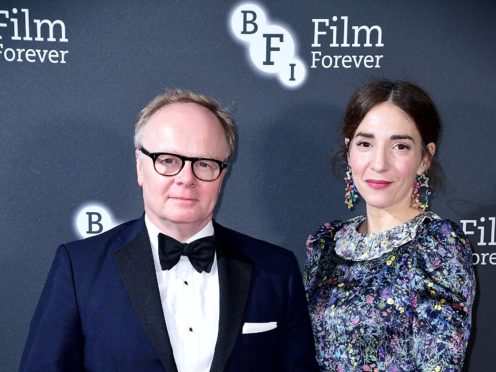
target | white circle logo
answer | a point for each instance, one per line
(92, 219)
(271, 46)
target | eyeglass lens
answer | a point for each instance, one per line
(170, 165)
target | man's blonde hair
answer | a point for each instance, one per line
(171, 96)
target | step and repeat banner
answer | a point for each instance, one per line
(74, 75)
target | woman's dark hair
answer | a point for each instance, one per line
(413, 100)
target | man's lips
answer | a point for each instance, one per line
(378, 184)
(182, 198)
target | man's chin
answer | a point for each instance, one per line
(182, 219)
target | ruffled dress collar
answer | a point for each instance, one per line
(355, 246)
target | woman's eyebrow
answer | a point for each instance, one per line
(402, 137)
(364, 134)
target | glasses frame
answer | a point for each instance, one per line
(154, 156)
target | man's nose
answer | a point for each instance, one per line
(186, 175)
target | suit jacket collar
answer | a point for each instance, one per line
(135, 264)
(235, 271)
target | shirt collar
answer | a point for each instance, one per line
(153, 231)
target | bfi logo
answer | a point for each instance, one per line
(92, 219)
(271, 47)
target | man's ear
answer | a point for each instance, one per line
(426, 161)
(139, 167)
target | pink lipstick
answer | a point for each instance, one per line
(378, 184)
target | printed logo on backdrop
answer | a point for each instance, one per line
(25, 38)
(92, 219)
(336, 44)
(482, 233)
(270, 46)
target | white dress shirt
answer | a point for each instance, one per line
(190, 302)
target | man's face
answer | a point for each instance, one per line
(181, 205)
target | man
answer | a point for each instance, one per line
(127, 300)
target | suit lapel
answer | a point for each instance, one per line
(235, 271)
(135, 264)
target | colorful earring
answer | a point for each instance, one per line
(350, 191)
(421, 192)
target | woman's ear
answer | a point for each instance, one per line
(426, 161)
(347, 145)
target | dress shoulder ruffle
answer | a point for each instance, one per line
(318, 248)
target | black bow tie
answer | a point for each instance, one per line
(200, 252)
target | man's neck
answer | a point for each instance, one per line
(181, 232)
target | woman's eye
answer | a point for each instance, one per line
(363, 144)
(402, 146)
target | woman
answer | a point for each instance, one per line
(392, 290)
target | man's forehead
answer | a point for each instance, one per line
(186, 127)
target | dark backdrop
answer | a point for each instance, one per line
(70, 92)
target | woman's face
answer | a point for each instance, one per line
(385, 156)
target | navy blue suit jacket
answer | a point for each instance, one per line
(100, 309)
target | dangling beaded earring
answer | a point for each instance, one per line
(350, 191)
(421, 192)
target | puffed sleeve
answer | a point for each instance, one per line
(317, 246)
(445, 289)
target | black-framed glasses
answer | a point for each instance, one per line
(168, 164)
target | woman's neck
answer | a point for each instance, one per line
(379, 220)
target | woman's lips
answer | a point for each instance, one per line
(378, 184)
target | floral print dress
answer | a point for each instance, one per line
(399, 300)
